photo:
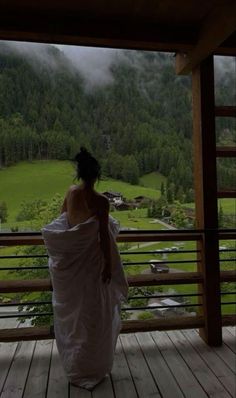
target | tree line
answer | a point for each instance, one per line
(139, 123)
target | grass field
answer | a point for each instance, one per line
(152, 180)
(136, 219)
(29, 181)
(228, 205)
(42, 179)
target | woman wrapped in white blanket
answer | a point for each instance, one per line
(87, 277)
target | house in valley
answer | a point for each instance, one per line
(114, 197)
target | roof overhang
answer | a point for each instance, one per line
(190, 27)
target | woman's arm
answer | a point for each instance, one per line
(64, 206)
(103, 216)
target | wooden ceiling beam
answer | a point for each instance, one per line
(217, 27)
(121, 31)
(92, 31)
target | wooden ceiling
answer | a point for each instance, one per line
(164, 25)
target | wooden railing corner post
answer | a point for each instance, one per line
(205, 182)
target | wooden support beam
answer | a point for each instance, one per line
(180, 323)
(227, 194)
(225, 235)
(228, 276)
(32, 285)
(178, 278)
(28, 333)
(226, 152)
(20, 240)
(38, 285)
(216, 28)
(45, 332)
(149, 325)
(206, 198)
(157, 236)
(229, 320)
(153, 236)
(225, 111)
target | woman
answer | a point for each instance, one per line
(87, 278)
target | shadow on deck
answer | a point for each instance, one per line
(158, 364)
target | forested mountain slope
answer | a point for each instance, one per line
(136, 122)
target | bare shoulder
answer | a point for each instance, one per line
(73, 190)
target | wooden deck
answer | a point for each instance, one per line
(171, 364)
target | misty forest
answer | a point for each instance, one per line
(135, 115)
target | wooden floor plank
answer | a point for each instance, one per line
(227, 355)
(201, 371)
(229, 340)
(157, 364)
(76, 392)
(17, 376)
(160, 371)
(221, 371)
(185, 378)
(58, 385)
(232, 330)
(7, 352)
(104, 389)
(36, 385)
(143, 380)
(122, 381)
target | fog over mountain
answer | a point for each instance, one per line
(94, 64)
(128, 107)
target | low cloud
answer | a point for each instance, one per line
(94, 64)
(31, 51)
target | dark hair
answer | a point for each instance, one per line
(87, 167)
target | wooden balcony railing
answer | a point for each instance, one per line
(140, 280)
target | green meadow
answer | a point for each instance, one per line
(152, 180)
(228, 205)
(43, 179)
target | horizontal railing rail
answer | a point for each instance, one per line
(137, 281)
(47, 332)
(35, 238)
(225, 111)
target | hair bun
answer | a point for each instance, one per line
(88, 167)
(83, 150)
(82, 154)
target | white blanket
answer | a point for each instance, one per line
(86, 310)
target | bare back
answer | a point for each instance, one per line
(82, 203)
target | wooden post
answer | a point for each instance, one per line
(206, 197)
